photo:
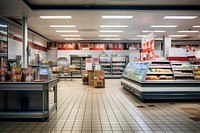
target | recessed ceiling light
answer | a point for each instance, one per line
(177, 35)
(113, 26)
(3, 32)
(135, 38)
(111, 31)
(70, 35)
(62, 26)
(72, 38)
(157, 31)
(140, 35)
(188, 31)
(55, 17)
(180, 17)
(108, 35)
(117, 17)
(196, 26)
(66, 30)
(163, 26)
(3, 25)
(111, 39)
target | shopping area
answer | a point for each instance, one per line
(99, 67)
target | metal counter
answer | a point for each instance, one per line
(28, 99)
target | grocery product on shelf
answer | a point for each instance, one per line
(182, 70)
(196, 68)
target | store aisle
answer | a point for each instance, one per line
(85, 109)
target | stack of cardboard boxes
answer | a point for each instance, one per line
(95, 78)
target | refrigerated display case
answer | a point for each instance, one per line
(157, 80)
(118, 65)
(105, 62)
(3, 49)
(182, 70)
(196, 69)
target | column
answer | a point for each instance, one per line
(166, 46)
(24, 42)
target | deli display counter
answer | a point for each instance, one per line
(161, 80)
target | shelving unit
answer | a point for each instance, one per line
(79, 62)
(196, 69)
(182, 71)
(3, 52)
(160, 70)
(118, 65)
(105, 62)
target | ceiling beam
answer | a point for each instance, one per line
(111, 7)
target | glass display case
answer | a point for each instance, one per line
(136, 70)
(162, 80)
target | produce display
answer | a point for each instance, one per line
(196, 68)
(161, 77)
(160, 64)
(160, 70)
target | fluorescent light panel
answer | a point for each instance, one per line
(70, 35)
(111, 31)
(196, 26)
(3, 25)
(111, 39)
(163, 26)
(177, 35)
(188, 31)
(180, 17)
(66, 30)
(117, 17)
(72, 38)
(62, 26)
(136, 38)
(108, 35)
(157, 31)
(55, 17)
(140, 35)
(113, 26)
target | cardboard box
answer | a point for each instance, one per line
(91, 82)
(98, 83)
(98, 73)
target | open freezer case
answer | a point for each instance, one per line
(159, 80)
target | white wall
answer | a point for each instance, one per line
(15, 47)
(93, 53)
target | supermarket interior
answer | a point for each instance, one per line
(113, 66)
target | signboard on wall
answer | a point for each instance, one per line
(99, 46)
(148, 43)
(147, 47)
(88, 63)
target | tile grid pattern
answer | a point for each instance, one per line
(84, 109)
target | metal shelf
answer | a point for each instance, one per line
(159, 73)
(160, 67)
(183, 75)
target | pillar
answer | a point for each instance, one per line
(166, 46)
(24, 42)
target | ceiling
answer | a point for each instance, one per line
(88, 17)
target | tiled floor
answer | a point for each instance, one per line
(84, 109)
